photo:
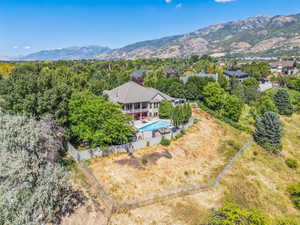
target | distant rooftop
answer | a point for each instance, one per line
(138, 73)
(186, 77)
(238, 73)
(132, 92)
(283, 64)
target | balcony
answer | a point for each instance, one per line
(133, 111)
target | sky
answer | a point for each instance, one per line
(28, 26)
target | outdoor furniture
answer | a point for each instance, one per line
(164, 130)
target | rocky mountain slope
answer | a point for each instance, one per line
(261, 35)
(72, 53)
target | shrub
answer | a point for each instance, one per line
(233, 214)
(294, 191)
(287, 221)
(292, 163)
(283, 102)
(269, 131)
(262, 105)
(165, 142)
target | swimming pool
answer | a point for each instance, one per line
(156, 125)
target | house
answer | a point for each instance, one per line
(171, 73)
(241, 75)
(186, 77)
(284, 67)
(138, 76)
(136, 100)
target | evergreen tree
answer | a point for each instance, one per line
(283, 102)
(269, 131)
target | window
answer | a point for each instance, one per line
(144, 105)
(128, 107)
(150, 114)
(137, 106)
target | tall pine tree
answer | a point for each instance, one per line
(283, 102)
(269, 131)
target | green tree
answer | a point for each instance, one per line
(165, 109)
(283, 102)
(223, 81)
(186, 112)
(262, 105)
(214, 96)
(195, 85)
(232, 108)
(268, 131)
(251, 92)
(96, 121)
(177, 116)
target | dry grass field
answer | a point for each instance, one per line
(258, 179)
(192, 159)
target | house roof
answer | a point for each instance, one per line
(171, 71)
(238, 73)
(138, 73)
(186, 77)
(283, 64)
(132, 92)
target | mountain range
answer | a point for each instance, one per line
(71, 53)
(255, 36)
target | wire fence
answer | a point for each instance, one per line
(113, 207)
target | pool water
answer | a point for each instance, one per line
(156, 125)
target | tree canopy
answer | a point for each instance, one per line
(97, 121)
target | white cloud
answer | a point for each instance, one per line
(27, 47)
(168, 1)
(224, 1)
(15, 47)
(179, 5)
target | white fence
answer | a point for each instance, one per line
(132, 146)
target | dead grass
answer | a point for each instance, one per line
(261, 179)
(194, 158)
(258, 179)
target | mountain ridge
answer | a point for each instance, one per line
(259, 35)
(254, 36)
(69, 53)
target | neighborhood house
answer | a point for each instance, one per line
(284, 67)
(141, 102)
(239, 74)
(186, 77)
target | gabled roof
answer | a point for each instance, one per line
(238, 73)
(186, 77)
(132, 92)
